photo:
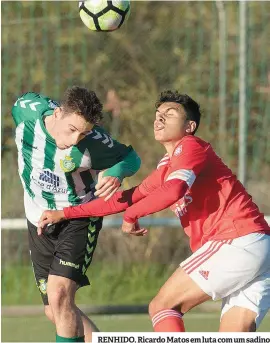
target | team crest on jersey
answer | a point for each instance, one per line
(42, 286)
(67, 165)
(178, 151)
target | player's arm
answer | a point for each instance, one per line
(110, 180)
(119, 160)
(184, 170)
(120, 201)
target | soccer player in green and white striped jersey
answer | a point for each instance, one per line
(60, 153)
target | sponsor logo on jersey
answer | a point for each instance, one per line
(42, 286)
(178, 151)
(49, 182)
(69, 264)
(204, 273)
(49, 177)
(67, 165)
(180, 207)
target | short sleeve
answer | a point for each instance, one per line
(104, 150)
(31, 106)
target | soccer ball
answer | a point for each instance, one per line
(103, 15)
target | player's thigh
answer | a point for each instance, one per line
(238, 319)
(220, 268)
(41, 250)
(179, 292)
(75, 248)
(245, 309)
(61, 291)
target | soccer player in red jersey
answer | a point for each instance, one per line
(229, 237)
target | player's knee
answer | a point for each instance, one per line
(156, 305)
(160, 303)
(49, 313)
(60, 297)
(238, 319)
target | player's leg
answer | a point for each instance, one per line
(41, 253)
(49, 313)
(88, 326)
(61, 295)
(177, 296)
(219, 268)
(238, 319)
(70, 321)
(244, 310)
(76, 244)
(87, 323)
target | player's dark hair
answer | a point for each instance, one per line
(191, 107)
(83, 102)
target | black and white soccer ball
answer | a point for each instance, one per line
(103, 15)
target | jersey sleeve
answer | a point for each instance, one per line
(119, 202)
(30, 106)
(188, 161)
(104, 150)
(150, 183)
(162, 197)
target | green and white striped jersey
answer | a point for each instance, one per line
(54, 178)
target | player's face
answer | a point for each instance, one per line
(69, 129)
(171, 123)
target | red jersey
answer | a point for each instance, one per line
(200, 189)
(216, 205)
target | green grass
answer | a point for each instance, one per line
(134, 284)
(39, 329)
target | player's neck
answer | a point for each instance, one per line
(49, 125)
(170, 146)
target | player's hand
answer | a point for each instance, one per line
(133, 229)
(106, 186)
(49, 217)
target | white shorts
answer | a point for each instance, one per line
(237, 271)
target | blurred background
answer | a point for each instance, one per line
(216, 52)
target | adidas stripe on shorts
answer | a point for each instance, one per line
(236, 271)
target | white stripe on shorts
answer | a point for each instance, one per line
(204, 256)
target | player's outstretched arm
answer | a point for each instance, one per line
(119, 202)
(96, 208)
(161, 198)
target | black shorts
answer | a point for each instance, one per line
(64, 249)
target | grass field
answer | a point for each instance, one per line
(39, 329)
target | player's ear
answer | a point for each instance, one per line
(191, 127)
(58, 112)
